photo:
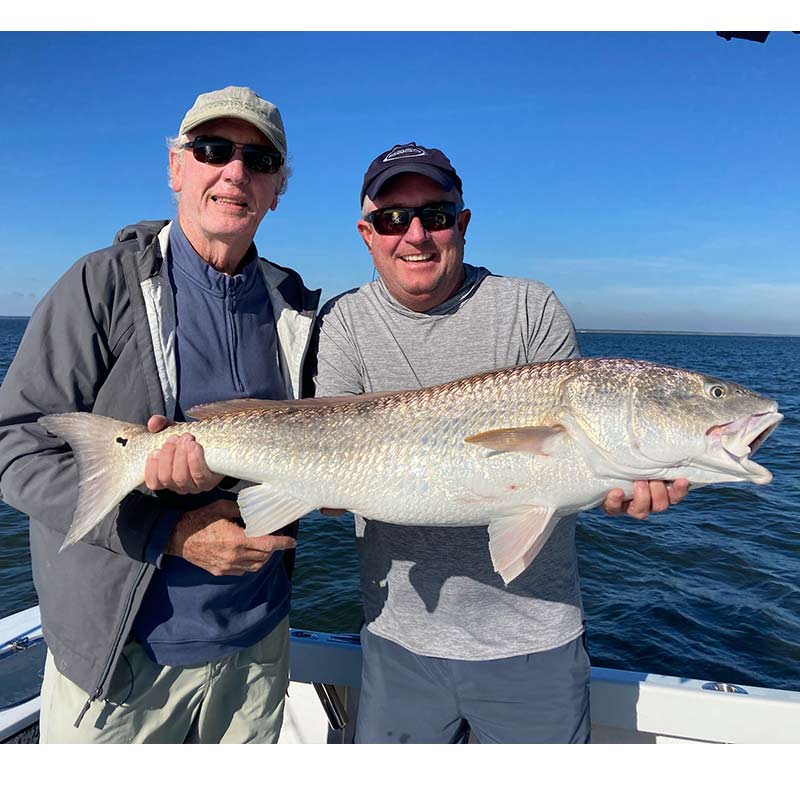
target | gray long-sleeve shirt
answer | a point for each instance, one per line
(434, 590)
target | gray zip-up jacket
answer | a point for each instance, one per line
(102, 340)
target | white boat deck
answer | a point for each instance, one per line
(627, 707)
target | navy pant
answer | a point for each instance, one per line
(405, 698)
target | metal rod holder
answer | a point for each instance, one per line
(334, 710)
(724, 687)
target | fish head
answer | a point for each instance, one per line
(652, 421)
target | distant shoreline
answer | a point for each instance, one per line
(689, 333)
(621, 331)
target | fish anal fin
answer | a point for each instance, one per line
(538, 440)
(265, 510)
(515, 540)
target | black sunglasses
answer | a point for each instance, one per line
(216, 150)
(433, 217)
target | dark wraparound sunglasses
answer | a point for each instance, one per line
(433, 217)
(216, 150)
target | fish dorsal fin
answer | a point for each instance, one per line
(265, 510)
(208, 410)
(246, 404)
(538, 440)
(515, 540)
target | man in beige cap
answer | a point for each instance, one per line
(166, 623)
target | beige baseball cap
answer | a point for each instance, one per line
(242, 103)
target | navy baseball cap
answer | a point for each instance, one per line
(409, 157)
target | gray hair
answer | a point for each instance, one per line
(175, 145)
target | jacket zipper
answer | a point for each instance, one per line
(99, 689)
(233, 338)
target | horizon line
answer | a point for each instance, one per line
(647, 331)
(653, 332)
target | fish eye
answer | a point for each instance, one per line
(716, 390)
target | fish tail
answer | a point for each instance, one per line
(107, 469)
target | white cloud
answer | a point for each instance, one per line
(655, 293)
(17, 304)
(741, 308)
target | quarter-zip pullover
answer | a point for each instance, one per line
(225, 347)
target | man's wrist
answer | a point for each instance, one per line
(161, 536)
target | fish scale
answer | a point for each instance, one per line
(514, 449)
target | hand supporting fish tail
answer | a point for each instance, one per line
(179, 465)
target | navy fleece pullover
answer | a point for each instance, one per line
(226, 347)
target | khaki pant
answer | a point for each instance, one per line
(237, 699)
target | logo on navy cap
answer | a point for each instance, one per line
(405, 152)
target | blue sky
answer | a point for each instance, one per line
(649, 178)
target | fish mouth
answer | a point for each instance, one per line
(738, 440)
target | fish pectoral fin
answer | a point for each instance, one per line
(514, 541)
(539, 440)
(265, 509)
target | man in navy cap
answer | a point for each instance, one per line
(447, 647)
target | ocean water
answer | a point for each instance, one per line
(708, 589)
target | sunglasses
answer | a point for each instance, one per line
(432, 217)
(216, 150)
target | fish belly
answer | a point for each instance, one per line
(404, 466)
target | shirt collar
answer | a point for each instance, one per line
(184, 258)
(467, 288)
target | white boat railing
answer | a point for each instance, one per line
(627, 707)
